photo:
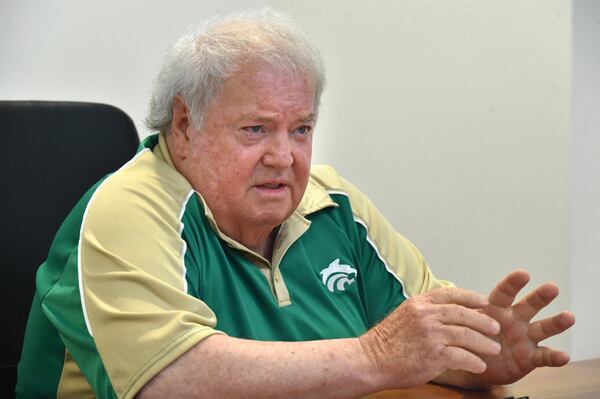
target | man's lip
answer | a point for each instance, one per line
(274, 183)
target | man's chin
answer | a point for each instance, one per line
(271, 219)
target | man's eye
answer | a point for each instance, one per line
(303, 129)
(254, 129)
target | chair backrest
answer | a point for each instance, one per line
(50, 154)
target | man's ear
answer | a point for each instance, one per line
(178, 136)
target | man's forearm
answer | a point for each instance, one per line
(420, 339)
(223, 367)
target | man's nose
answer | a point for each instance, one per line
(278, 153)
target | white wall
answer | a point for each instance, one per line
(454, 116)
(102, 51)
(585, 179)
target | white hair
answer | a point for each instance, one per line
(198, 64)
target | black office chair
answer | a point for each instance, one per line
(50, 154)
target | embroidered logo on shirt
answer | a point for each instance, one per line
(338, 276)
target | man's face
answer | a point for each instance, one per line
(251, 159)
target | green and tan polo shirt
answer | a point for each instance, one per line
(139, 273)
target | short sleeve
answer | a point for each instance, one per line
(132, 275)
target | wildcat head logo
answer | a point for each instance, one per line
(338, 276)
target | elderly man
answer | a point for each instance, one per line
(217, 263)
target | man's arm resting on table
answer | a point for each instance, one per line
(221, 366)
(424, 336)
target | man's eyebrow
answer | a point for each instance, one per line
(266, 119)
(309, 118)
(257, 118)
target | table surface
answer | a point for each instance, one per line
(577, 380)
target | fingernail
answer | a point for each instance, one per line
(498, 347)
(496, 327)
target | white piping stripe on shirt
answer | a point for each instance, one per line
(372, 243)
(338, 192)
(387, 266)
(85, 213)
(184, 246)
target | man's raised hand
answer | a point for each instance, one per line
(519, 337)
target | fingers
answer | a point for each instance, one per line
(503, 295)
(548, 357)
(449, 295)
(460, 359)
(471, 340)
(535, 301)
(542, 329)
(462, 316)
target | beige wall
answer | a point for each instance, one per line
(585, 175)
(452, 115)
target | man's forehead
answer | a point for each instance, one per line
(258, 72)
(263, 93)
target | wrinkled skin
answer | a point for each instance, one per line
(430, 333)
(466, 340)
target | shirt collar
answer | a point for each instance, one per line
(162, 150)
(314, 199)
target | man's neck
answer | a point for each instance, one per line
(266, 249)
(258, 239)
(261, 242)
